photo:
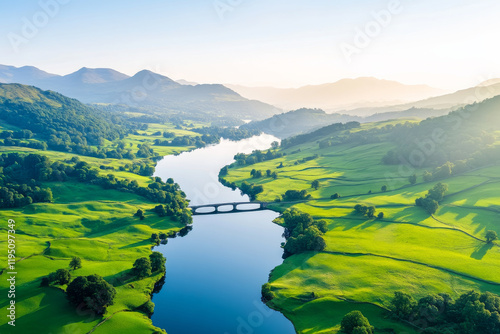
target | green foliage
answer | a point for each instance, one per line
(402, 305)
(369, 211)
(251, 190)
(296, 195)
(315, 184)
(140, 214)
(142, 267)
(148, 308)
(64, 123)
(491, 236)
(335, 196)
(356, 323)
(412, 179)
(92, 292)
(431, 201)
(60, 276)
(267, 293)
(75, 263)
(157, 262)
(303, 233)
(472, 312)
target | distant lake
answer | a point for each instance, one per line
(215, 273)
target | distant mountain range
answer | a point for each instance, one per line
(345, 94)
(146, 90)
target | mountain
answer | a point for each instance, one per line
(298, 121)
(145, 90)
(342, 95)
(64, 123)
(305, 120)
(185, 82)
(27, 74)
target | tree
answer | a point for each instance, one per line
(91, 291)
(155, 238)
(491, 236)
(274, 175)
(370, 212)
(315, 184)
(268, 173)
(139, 214)
(412, 179)
(62, 276)
(355, 322)
(380, 215)
(75, 263)
(267, 292)
(157, 262)
(403, 305)
(142, 267)
(384, 188)
(335, 196)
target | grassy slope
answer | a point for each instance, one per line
(368, 260)
(92, 223)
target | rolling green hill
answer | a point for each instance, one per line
(366, 260)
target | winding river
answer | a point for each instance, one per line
(215, 273)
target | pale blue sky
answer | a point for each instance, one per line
(446, 43)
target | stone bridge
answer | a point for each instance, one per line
(233, 206)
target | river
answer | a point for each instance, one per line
(214, 274)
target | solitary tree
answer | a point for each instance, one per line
(75, 263)
(355, 322)
(413, 179)
(92, 292)
(335, 196)
(384, 188)
(491, 236)
(315, 184)
(142, 267)
(380, 215)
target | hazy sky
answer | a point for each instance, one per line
(286, 43)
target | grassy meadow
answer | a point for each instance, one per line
(96, 225)
(367, 260)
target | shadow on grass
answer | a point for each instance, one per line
(481, 251)
(144, 242)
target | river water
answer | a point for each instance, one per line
(214, 274)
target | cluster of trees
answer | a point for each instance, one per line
(60, 276)
(431, 201)
(306, 159)
(251, 189)
(173, 209)
(91, 292)
(256, 156)
(144, 266)
(368, 211)
(302, 232)
(257, 174)
(355, 322)
(20, 178)
(230, 133)
(459, 138)
(295, 195)
(200, 141)
(472, 312)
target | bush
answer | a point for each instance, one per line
(355, 322)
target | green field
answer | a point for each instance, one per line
(96, 225)
(367, 260)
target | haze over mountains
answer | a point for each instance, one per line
(145, 89)
(344, 94)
